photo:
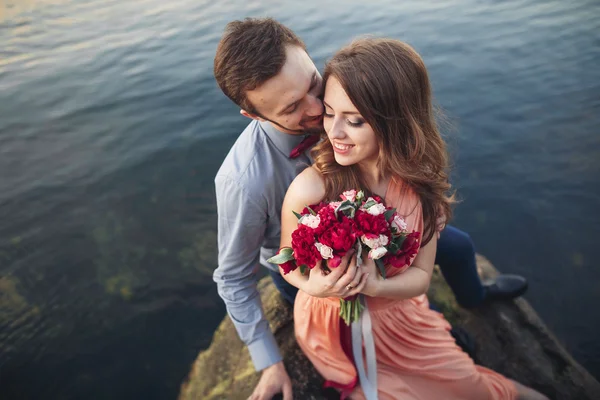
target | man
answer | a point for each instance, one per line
(264, 68)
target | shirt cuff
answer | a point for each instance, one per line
(264, 351)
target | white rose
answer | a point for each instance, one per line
(326, 251)
(372, 242)
(399, 223)
(376, 209)
(312, 221)
(383, 240)
(377, 253)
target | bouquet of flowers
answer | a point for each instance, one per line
(327, 231)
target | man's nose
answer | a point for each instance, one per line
(315, 106)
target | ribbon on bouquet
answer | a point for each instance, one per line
(362, 330)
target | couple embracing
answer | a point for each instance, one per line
(368, 123)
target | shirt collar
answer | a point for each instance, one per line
(283, 141)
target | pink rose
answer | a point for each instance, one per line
(377, 253)
(349, 195)
(376, 209)
(312, 221)
(383, 240)
(371, 240)
(399, 223)
(326, 251)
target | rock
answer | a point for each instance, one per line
(511, 339)
(225, 370)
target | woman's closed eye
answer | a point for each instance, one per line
(353, 123)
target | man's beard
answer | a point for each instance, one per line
(314, 130)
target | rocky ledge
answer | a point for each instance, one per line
(511, 339)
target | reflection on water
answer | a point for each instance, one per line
(112, 128)
(9, 9)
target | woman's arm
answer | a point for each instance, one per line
(411, 283)
(306, 189)
(345, 280)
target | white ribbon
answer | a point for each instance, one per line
(363, 330)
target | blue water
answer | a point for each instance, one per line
(111, 130)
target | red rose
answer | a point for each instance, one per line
(340, 236)
(315, 207)
(410, 248)
(375, 224)
(303, 243)
(288, 267)
(334, 262)
(328, 219)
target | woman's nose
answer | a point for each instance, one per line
(336, 131)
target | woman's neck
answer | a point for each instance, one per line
(372, 176)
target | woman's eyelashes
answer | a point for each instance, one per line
(355, 124)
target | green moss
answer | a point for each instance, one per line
(117, 259)
(201, 254)
(441, 295)
(119, 284)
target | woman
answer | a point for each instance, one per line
(382, 137)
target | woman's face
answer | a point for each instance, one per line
(352, 138)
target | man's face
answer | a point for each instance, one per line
(292, 99)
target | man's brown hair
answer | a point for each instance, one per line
(250, 53)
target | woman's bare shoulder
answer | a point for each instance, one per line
(307, 188)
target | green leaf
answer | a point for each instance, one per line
(358, 247)
(303, 269)
(399, 241)
(381, 267)
(393, 248)
(311, 210)
(297, 215)
(346, 203)
(389, 214)
(347, 209)
(369, 204)
(285, 254)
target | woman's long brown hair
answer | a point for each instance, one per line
(388, 84)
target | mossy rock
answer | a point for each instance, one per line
(510, 337)
(225, 370)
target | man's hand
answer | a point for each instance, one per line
(344, 281)
(274, 380)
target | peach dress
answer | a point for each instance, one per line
(417, 358)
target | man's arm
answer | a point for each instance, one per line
(241, 228)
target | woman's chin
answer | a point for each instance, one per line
(344, 161)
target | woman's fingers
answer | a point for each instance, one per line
(351, 273)
(360, 286)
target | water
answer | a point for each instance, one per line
(112, 128)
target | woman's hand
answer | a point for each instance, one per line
(344, 281)
(373, 280)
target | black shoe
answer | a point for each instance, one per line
(464, 340)
(505, 287)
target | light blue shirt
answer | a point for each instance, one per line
(250, 188)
